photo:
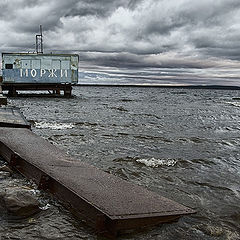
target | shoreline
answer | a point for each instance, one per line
(213, 87)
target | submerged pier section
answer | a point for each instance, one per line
(12, 117)
(106, 202)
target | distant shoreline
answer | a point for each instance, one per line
(214, 87)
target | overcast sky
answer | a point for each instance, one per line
(133, 41)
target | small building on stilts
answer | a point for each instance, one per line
(39, 71)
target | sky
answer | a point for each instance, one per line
(160, 42)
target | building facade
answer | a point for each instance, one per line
(35, 68)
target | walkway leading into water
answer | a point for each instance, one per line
(12, 117)
(107, 202)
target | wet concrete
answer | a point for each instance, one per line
(107, 202)
(12, 117)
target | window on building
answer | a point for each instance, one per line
(65, 64)
(36, 64)
(9, 66)
(46, 64)
(26, 64)
(55, 64)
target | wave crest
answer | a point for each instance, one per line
(153, 162)
(54, 125)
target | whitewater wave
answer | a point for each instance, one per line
(45, 207)
(236, 104)
(153, 162)
(53, 125)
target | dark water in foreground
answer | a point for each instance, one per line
(182, 144)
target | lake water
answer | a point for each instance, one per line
(181, 143)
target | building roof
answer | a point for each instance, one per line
(40, 54)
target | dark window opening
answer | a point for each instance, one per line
(9, 66)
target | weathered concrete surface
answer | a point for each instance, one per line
(19, 201)
(106, 201)
(12, 117)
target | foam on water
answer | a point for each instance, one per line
(54, 125)
(236, 104)
(153, 162)
(45, 207)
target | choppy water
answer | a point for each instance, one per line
(181, 143)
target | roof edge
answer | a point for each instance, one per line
(39, 54)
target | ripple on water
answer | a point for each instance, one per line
(218, 231)
(194, 158)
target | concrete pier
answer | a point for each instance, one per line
(12, 117)
(106, 202)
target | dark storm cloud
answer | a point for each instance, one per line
(218, 46)
(7, 8)
(101, 8)
(134, 61)
(201, 37)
